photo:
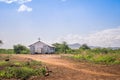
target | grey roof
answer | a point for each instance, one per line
(41, 43)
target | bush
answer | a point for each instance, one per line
(6, 51)
(18, 49)
(14, 72)
(98, 58)
(84, 47)
(3, 63)
(42, 70)
(106, 59)
(21, 70)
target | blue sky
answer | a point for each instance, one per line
(95, 22)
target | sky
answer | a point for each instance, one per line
(94, 22)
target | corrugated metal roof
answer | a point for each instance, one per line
(40, 42)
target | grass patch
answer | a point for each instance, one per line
(98, 58)
(3, 63)
(22, 70)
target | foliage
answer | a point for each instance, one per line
(21, 49)
(96, 55)
(64, 47)
(61, 48)
(3, 63)
(1, 42)
(57, 47)
(99, 58)
(6, 51)
(84, 47)
(21, 70)
(42, 70)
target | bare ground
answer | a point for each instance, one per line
(66, 69)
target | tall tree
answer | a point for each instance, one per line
(1, 42)
(20, 49)
(84, 47)
(57, 47)
(63, 47)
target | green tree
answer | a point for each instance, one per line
(1, 42)
(21, 49)
(84, 47)
(63, 47)
(57, 47)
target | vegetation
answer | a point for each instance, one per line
(1, 42)
(22, 70)
(61, 48)
(6, 51)
(84, 53)
(21, 49)
(96, 55)
(84, 47)
(98, 58)
(18, 49)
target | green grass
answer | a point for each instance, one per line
(7, 51)
(98, 58)
(22, 70)
(3, 63)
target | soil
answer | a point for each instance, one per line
(67, 69)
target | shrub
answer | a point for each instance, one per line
(3, 63)
(98, 58)
(21, 70)
(43, 70)
(14, 72)
(6, 51)
(21, 49)
(24, 72)
(106, 59)
(78, 57)
(84, 47)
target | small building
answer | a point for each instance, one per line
(41, 48)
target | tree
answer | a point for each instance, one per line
(1, 42)
(57, 46)
(20, 49)
(63, 47)
(84, 47)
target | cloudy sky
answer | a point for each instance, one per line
(94, 22)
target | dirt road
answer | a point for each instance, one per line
(64, 69)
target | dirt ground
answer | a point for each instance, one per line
(66, 69)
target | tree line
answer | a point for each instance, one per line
(18, 49)
(59, 48)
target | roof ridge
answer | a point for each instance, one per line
(41, 42)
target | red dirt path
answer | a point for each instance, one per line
(65, 69)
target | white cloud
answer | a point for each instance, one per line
(23, 1)
(105, 38)
(23, 8)
(16, 1)
(8, 1)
